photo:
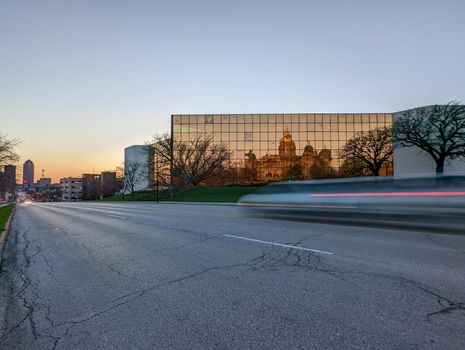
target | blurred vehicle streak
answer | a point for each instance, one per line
(435, 203)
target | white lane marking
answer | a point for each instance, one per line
(117, 216)
(279, 244)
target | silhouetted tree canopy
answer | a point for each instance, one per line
(438, 130)
(8, 154)
(370, 150)
(191, 161)
(133, 173)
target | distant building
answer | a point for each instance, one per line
(44, 182)
(108, 184)
(28, 173)
(138, 154)
(90, 186)
(10, 172)
(10, 180)
(278, 147)
(71, 188)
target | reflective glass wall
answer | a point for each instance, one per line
(274, 147)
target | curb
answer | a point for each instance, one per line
(4, 234)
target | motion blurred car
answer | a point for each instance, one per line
(426, 202)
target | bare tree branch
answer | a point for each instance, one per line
(133, 173)
(369, 151)
(438, 130)
(7, 150)
(193, 161)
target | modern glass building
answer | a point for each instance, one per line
(276, 147)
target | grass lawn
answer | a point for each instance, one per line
(139, 196)
(224, 194)
(5, 213)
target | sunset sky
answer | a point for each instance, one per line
(81, 80)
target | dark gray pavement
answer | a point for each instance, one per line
(168, 276)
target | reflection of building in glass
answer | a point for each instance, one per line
(274, 147)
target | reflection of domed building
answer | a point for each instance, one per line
(307, 161)
(286, 164)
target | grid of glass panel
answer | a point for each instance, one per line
(261, 133)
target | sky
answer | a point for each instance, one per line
(81, 80)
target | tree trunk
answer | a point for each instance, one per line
(440, 166)
(374, 169)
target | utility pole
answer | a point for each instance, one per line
(156, 173)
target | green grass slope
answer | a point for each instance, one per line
(5, 213)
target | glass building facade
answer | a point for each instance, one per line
(276, 147)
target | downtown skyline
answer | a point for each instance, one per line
(82, 81)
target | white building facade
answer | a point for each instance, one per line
(138, 154)
(71, 189)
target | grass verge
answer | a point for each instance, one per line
(223, 194)
(139, 196)
(5, 213)
(220, 194)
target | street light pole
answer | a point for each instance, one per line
(156, 172)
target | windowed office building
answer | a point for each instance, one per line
(277, 147)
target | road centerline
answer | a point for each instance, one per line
(279, 244)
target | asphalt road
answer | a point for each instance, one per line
(179, 276)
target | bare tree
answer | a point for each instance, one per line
(158, 161)
(133, 173)
(350, 168)
(119, 172)
(7, 150)
(370, 150)
(438, 130)
(191, 161)
(8, 155)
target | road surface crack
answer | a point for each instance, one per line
(444, 244)
(21, 270)
(133, 296)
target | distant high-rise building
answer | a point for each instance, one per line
(28, 173)
(10, 173)
(10, 180)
